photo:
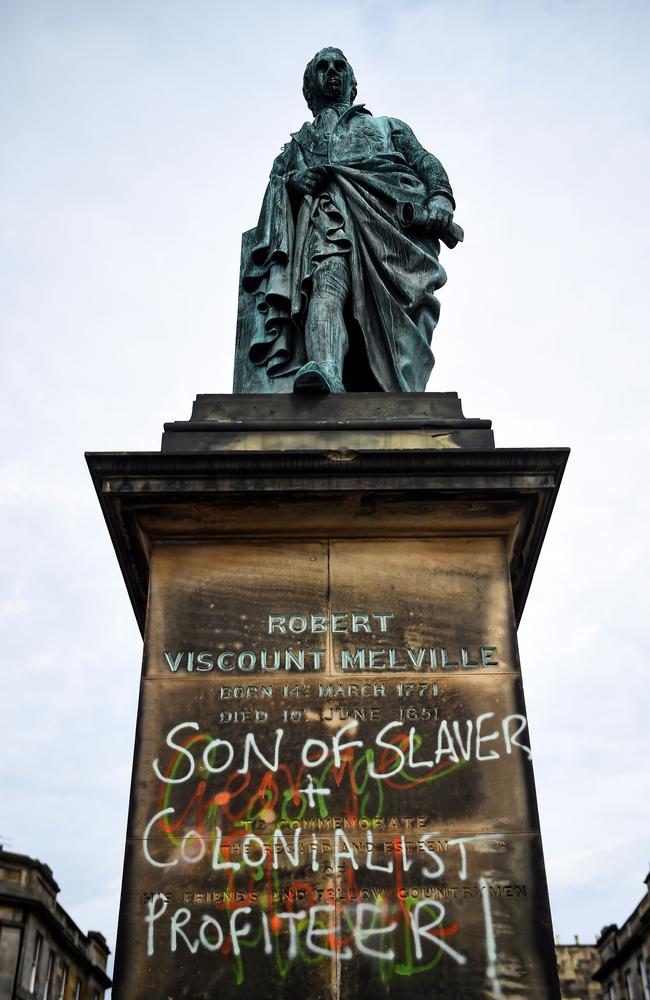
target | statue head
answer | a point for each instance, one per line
(328, 79)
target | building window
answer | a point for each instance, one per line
(48, 977)
(629, 985)
(33, 974)
(643, 976)
(95, 994)
(77, 990)
(63, 984)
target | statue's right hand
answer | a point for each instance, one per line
(308, 180)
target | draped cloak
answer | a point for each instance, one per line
(374, 165)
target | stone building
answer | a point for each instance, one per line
(624, 972)
(576, 965)
(43, 954)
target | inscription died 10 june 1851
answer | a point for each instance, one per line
(362, 805)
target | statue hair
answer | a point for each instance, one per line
(308, 78)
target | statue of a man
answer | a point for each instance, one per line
(344, 262)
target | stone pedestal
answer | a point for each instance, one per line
(332, 792)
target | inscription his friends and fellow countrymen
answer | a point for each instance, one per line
(304, 872)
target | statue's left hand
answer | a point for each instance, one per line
(440, 220)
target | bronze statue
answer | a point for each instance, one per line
(343, 265)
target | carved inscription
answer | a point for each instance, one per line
(336, 788)
(297, 781)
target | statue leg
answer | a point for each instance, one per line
(326, 337)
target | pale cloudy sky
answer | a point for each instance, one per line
(136, 139)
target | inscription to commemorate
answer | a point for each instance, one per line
(327, 793)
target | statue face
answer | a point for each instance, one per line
(332, 77)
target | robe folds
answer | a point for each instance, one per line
(374, 166)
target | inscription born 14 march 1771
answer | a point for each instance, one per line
(333, 793)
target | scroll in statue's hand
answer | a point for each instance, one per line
(436, 219)
(440, 221)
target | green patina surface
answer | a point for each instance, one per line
(339, 278)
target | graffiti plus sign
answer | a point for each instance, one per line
(311, 790)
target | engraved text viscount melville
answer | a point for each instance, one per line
(344, 264)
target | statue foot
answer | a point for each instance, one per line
(315, 377)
